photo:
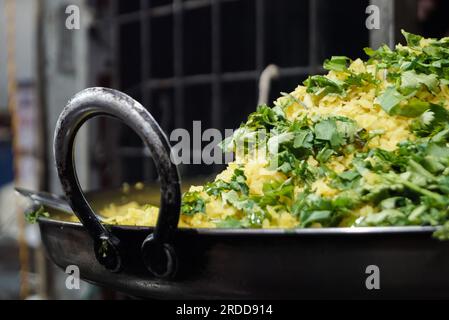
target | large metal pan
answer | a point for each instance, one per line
(168, 262)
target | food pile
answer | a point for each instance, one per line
(364, 145)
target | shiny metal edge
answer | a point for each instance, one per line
(253, 232)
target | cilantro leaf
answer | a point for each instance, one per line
(411, 81)
(33, 215)
(254, 215)
(321, 85)
(303, 139)
(324, 155)
(413, 40)
(237, 183)
(316, 216)
(431, 122)
(192, 203)
(264, 117)
(336, 63)
(275, 141)
(413, 108)
(230, 222)
(390, 99)
(327, 130)
(349, 175)
(292, 99)
(360, 79)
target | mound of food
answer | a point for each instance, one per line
(364, 145)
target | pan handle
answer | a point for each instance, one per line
(158, 254)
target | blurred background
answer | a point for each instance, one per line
(184, 60)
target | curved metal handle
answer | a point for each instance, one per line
(158, 255)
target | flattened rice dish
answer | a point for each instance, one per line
(364, 145)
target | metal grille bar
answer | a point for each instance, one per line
(159, 11)
(164, 83)
(148, 85)
(178, 62)
(216, 66)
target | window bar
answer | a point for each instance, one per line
(386, 33)
(177, 63)
(260, 37)
(145, 65)
(115, 45)
(295, 71)
(159, 11)
(145, 43)
(313, 34)
(163, 83)
(260, 34)
(116, 83)
(216, 65)
(216, 110)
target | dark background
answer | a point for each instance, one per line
(201, 60)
